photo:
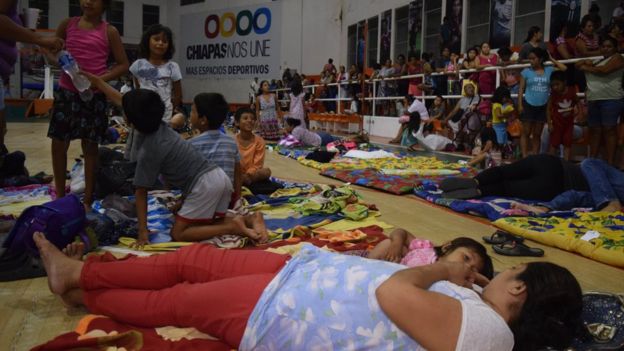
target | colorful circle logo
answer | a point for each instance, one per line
(243, 23)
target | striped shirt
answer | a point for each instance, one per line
(219, 149)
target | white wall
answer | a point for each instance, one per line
(310, 34)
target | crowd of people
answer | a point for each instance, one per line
(257, 299)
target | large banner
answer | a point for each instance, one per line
(454, 12)
(386, 36)
(233, 43)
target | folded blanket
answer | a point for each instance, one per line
(596, 235)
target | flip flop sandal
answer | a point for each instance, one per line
(500, 237)
(514, 248)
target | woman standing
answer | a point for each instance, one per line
(487, 80)
(586, 40)
(604, 94)
(534, 40)
(533, 98)
(269, 112)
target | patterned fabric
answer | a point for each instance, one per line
(567, 233)
(407, 162)
(14, 200)
(269, 127)
(73, 118)
(219, 149)
(325, 301)
(395, 184)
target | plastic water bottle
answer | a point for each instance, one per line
(70, 66)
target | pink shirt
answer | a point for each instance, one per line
(421, 252)
(89, 47)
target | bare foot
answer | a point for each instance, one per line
(259, 226)
(239, 222)
(530, 208)
(72, 298)
(612, 206)
(74, 250)
(63, 272)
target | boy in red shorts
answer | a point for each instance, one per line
(562, 107)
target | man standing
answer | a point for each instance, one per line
(253, 90)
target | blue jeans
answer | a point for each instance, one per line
(326, 138)
(570, 199)
(501, 133)
(605, 182)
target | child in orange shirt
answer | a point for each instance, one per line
(251, 148)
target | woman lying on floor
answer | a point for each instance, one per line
(319, 300)
(558, 184)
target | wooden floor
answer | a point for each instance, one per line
(30, 315)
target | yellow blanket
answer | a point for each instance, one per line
(596, 235)
(420, 163)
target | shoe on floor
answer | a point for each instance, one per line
(456, 183)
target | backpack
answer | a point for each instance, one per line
(60, 220)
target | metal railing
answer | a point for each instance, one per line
(374, 98)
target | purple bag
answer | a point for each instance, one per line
(60, 220)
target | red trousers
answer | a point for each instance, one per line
(198, 286)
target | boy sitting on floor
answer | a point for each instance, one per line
(207, 115)
(206, 189)
(251, 148)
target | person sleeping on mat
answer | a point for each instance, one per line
(254, 300)
(402, 247)
(555, 183)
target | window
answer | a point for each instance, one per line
(402, 31)
(115, 15)
(478, 29)
(189, 2)
(433, 19)
(74, 8)
(44, 6)
(351, 44)
(151, 15)
(528, 14)
(606, 10)
(373, 28)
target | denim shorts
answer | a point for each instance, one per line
(604, 113)
(532, 113)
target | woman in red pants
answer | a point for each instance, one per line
(256, 300)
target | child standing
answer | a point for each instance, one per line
(206, 189)
(156, 71)
(533, 98)
(269, 113)
(90, 40)
(296, 108)
(207, 115)
(560, 114)
(502, 109)
(251, 148)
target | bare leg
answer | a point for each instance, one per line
(397, 138)
(73, 298)
(63, 272)
(610, 136)
(379, 251)
(59, 165)
(530, 208)
(183, 231)
(261, 175)
(567, 150)
(524, 138)
(595, 136)
(255, 221)
(536, 130)
(90, 152)
(612, 206)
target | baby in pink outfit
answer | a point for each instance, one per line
(402, 247)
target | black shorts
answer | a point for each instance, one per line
(532, 113)
(73, 118)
